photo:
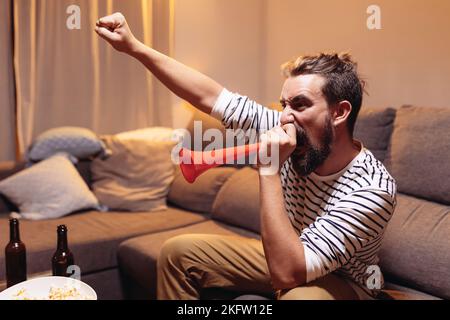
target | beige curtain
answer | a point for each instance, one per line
(7, 149)
(72, 78)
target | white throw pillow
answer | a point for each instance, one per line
(136, 176)
(153, 134)
(50, 189)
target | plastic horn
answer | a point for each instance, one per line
(194, 163)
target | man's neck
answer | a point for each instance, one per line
(343, 152)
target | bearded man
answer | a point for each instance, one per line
(323, 211)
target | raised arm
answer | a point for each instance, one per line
(187, 83)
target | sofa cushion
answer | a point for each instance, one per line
(50, 189)
(374, 129)
(136, 176)
(393, 291)
(138, 256)
(238, 201)
(415, 250)
(198, 196)
(420, 151)
(93, 236)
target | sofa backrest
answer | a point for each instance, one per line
(84, 169)
(416, 248)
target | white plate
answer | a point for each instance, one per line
(39, 289)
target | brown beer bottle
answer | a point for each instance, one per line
(15, 256)
(63, 257)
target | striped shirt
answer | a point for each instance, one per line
(340, 219)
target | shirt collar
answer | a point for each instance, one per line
(336, 175)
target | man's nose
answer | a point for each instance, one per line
(286, 118)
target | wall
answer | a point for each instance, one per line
(223, 39)
(406, 62)
(243, 43)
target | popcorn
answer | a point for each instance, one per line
(55, 293)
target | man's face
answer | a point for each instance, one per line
(306, 107)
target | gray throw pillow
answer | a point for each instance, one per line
(81, 143)
(50, 189)
(420, 151)
(374, 128)
(237, 202)
(200, 195)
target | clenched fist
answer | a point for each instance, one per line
(276, 146)
(115, 30)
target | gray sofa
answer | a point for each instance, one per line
(117, 251)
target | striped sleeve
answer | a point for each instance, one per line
(333, 239)
(239, 112)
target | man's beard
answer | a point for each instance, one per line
(307, 157)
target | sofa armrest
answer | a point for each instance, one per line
(8, 168)
(6, 206)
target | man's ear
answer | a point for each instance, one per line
(341, 112)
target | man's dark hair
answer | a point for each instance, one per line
(342, 81)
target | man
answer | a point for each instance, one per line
(323, 213)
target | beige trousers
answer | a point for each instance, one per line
(190, 263)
